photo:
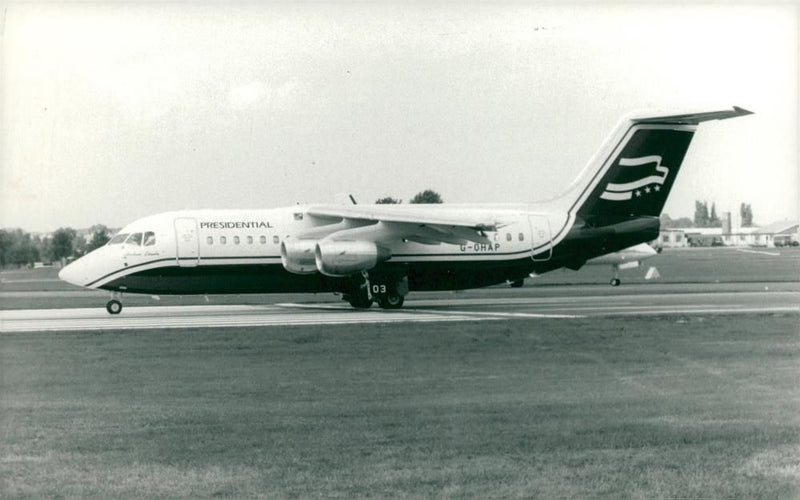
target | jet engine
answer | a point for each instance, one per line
(297, 256)
(342, 258)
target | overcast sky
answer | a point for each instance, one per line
(113, 112)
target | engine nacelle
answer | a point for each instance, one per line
(342, 258)
(297, 256)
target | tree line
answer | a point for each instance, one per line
(427, 196)
(19, 248)
(705, 217)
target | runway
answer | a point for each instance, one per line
(478, 306)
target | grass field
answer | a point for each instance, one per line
(667, 407)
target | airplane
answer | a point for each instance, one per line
(380, 253)
(627, 258)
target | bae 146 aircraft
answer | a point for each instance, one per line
(379, 253)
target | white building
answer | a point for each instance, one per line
(717, 236)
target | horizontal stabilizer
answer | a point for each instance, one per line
(695, 118)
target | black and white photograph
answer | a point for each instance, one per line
(388, 250)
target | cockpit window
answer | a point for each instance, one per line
(149, 238)
(116, 240)
(134, 239)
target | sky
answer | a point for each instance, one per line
(111, 112)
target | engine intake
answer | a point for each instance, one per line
(342, 258)
(297, 256)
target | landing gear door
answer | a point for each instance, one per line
(187, 242)
(541, 242)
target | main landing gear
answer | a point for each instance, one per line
(615, 280)
(387, 290)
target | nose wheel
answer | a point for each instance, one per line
(114, 306)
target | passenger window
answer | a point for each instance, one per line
(149, 239)
(116, 240)
(235, 240)
(134, 239)
(521, 237)
(223, 240)
(249, 240)
(210, 240)
(263, 239)
(508, 236)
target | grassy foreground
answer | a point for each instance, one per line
(666, 407)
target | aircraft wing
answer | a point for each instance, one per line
(391, 223)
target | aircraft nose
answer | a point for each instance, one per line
(74, 273)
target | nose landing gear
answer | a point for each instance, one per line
(114, 306)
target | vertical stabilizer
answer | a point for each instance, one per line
(634, 172)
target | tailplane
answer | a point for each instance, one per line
(634, 172)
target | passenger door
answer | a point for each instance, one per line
(187, 242)
(541, 243)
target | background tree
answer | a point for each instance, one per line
(100, 237)
(427, 196)
(17, 248)
(5, 246)
(45, 248)
(713, 219)
(62, 242)
(388, 201)
(746, 215)
(700, 213)
(79, 245)
(669, 222)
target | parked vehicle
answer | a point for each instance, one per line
(785, 240)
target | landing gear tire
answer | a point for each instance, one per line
(615, 282)
(391, 301)
(517, 283)
(114, 307)
(359, 301)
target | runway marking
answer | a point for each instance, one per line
(205, 317)
(32, 280)
(416, 311)
(424, 311)
(774, 254)
(484, 314)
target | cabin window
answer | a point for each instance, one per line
(275, 239)
(508, 236)
(263, 239)
(521, 236)
(210, 240)
(235, 240)
(249, 240)
(134, 239)
(223, 240)
(149, 238)
(116, 240)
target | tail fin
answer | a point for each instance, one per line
(639, 166)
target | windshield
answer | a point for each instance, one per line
(134, 239)
(118, 239)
